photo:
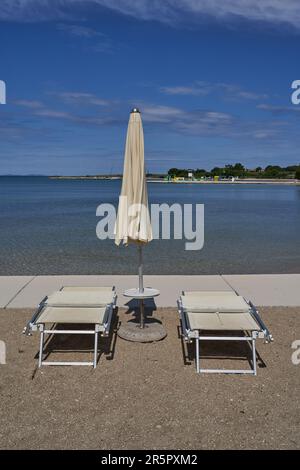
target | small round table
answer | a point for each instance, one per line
(146, 293)
(144, 331)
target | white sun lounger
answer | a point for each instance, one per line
(205, 314)
(74, 305)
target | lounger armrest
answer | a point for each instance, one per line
(108, 315)
(31, 325)
(254, 312)
(184, 324)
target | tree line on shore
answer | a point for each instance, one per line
(239, 171)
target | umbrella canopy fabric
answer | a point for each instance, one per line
(133, 219)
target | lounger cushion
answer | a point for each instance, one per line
(203, 293)
(222, 321)
(72, 315)
(87, 288)
(212, 303)
(82, 298)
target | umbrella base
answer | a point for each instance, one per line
(152, 331)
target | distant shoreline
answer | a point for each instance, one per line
(252, 181)
(96, 177)
(159, 180)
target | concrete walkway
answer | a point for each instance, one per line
(263, 290)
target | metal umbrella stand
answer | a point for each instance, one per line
(141, 287)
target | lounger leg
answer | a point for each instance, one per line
(42, 334)
(197, 356)
(254, 356)
(95, 349)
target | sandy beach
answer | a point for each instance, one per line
(144, 396)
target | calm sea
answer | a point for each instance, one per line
(49, 227)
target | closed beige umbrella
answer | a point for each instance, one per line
(133, 219)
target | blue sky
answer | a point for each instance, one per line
(211, 78)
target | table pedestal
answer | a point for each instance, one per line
(146, 329)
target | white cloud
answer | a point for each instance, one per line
(81, 98)
(103, 42)
(279, 109)
(55, 114)
(271, 11)
(158, 113)
(79, 30)
(86, 109)
(193, 90)
(229, 91)
(196, 122)
(68, 116)
(33, 104)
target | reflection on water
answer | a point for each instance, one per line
(49, 227)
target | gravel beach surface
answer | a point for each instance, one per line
(148, 396)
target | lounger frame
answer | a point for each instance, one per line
(99, 329)
(190, 335)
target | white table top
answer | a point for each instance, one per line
(147, 293)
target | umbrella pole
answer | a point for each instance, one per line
(141, 286)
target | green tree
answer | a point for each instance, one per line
(297, 173)
(291, 168)
(217, 171)
(239, 170)
(173, 172)
(273, 171)
(228, 170)
(178, 172)
(235, 170)
(199, 173)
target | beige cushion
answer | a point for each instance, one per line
(203, 293)
(87, 288)
(89, 298)
(222, 321)
(215, 303)
(72, 315)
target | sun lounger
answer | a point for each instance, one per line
(74, 305)
(204, 315)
